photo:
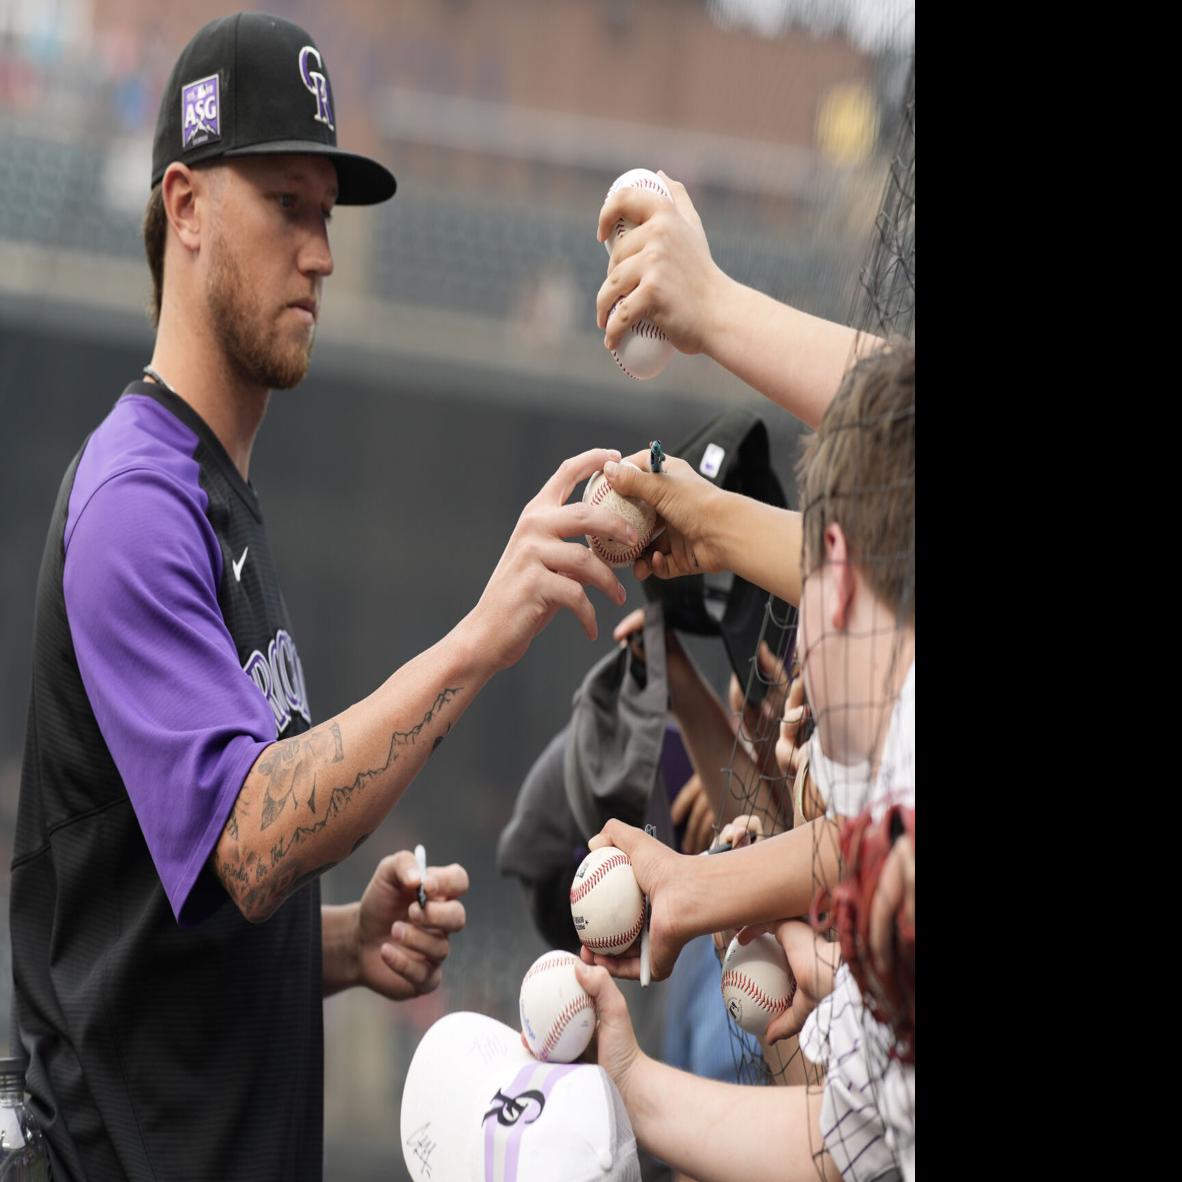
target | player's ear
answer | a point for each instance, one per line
(841, 571)
(179, 189)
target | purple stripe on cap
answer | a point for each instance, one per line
(525, 1078)
(490, 1145)
(552, 1076)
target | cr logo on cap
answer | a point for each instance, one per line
(317, 84)
(510, 1109)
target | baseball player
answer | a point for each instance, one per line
(177, 804)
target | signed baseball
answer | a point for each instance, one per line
(757, 984)
(641, 516)
(606, 903)
(557, 1013)
(645, 350)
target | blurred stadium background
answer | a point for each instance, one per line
(457, 361)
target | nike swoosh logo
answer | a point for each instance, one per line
(238, 566)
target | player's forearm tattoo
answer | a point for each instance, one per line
(439, 739)
(289, 770)
(296, 772)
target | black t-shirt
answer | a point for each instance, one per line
(167, 1037)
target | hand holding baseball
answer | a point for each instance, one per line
(606, 903)
(539, 572)
(685, 501)
(616, 1048)
(400, 946)
(658, 873)
(813, 962)
(557, 1015)
(638, 514)
(661, 270)
(757, 982)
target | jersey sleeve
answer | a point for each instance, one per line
(183, 722)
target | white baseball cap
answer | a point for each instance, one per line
(478, 1107)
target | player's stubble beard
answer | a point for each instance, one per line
(250, 341)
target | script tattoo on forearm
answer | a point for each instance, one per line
(294, 773)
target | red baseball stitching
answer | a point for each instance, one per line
(609, 863)
(576, 1006)
(640, 329)
(744, 983)
(643, 182)
(619, 557)
(646, 328)
(629, 937)
(557, 962)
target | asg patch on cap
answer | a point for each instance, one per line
(200, 115)
(254, 85)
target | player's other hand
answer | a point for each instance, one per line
(616, 1048)
(540, 572)
(401, 948)
(661, 270)
(660, 874)
(688, 504)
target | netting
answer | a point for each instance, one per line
(780, 794)
(885, 301)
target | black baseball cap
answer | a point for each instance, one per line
(255, 85)
(734, 452)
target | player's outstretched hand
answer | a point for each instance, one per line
(661, 270)
(539, 572)
(686, 501)
(401, 950)
(660, 874)
(616, 1048)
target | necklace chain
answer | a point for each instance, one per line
(151, 373)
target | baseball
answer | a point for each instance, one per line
(757, 984)
(605, 902)
(642, 516)
(557, 1013)
(645, 350)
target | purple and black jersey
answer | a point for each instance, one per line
(167, 1036)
